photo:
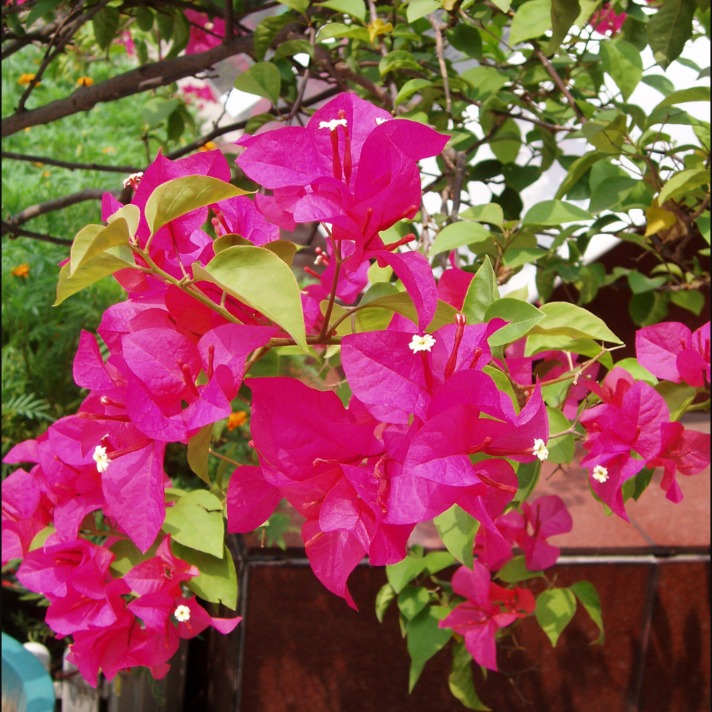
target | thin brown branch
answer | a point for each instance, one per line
(551, 71)
(13, 232)
(45, 160)
(50, 206)
(136, 81)
(440, 52)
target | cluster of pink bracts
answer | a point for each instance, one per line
(426, 427)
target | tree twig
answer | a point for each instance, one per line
(68, 164)
(132, 82)
(13, 232)
(56, 204)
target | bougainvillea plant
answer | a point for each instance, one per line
(448, 400)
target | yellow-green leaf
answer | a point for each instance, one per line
(182, 195)
(260, 279)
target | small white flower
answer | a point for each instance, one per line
(182, 613)
(540, 449)
(600, 474)
(133, 180)
(333, 124)
(421, 343)
(101, 459)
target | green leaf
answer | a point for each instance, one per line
(639, 283)
(640, 373)
(267, 30)
(571, 320)
(660, 82)
(437, 561)
(527, 477)
(606, 136)
(521, 316)
(374, 316)
(623, 63)
(338, 29)
(555, 608)
(291, 48)
(554, 212)
(179, 196)
(669, 29)
(636, 485)
(397, 60)
(588, 598)
(259, 278)
(89, 243)
(217, 581)
(610, 193)
(507, 141)
(196, 521)
(401, 574)
(486, 213)
(485, 81)
(94, 269)
(481, 293)
(354, 8)
(459, 234)
(515, 570)
(420, 8)
(682, 96)
(385, 596)
(157, 110)
(105, 25)
(412, 86)
(690, 300)
(262, 79)
(561, 449)
(42, 8)
(299, 5)
(460, 681)
(678, 396)
(682, 183)
(457, 529)
(198, 447)
(466, 39)
(649, 307)
(126, 555)
(531, 20)
(425, 638)
(412, 600)
(563, 15)
(144, 18)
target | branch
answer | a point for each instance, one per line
(51, 205)
(68, 164)
(440, 51)
(14, 232)
(559, 83)
(133, 82)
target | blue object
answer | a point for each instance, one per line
(26, 685)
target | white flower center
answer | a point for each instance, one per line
(182, 613)
(540, 449)
(333, 124)
(421, 343)
(380, 120)
(600, 474)
(101, 459)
